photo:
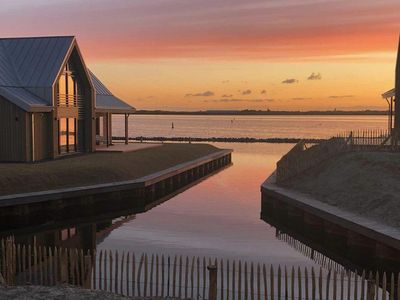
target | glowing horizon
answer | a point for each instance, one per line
(227, 54)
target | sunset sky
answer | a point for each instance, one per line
(227, 54)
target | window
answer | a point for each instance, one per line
(67, 135)
(67, 88)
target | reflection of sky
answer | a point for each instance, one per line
(218, 217)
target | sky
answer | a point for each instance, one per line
(227, 54)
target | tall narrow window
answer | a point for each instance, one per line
(67, 135)
(71, 135)
(63, 143)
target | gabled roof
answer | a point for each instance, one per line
(106, 101)
(29, 66)
(36, 60)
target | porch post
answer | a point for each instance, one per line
(126, 129)
(110, 128)
(105, 128)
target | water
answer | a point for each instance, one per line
(220, 216)
(245, 126)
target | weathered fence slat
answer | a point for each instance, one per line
(186, 277)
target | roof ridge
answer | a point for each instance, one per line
(38, 37)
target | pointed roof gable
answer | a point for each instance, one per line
(105, 100)
(36, 60)
(29, 67)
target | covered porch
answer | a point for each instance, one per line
(104, 121)
(108, 105)
(390, 97)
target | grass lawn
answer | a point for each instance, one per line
(96, 168)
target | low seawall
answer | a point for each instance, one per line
(273, 140)
(347, 238)
(140, 194)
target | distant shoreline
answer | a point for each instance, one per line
(220, 139)
(265, 113)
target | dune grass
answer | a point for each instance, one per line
(96, 168)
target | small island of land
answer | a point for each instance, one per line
(365, 183)
(96, 168)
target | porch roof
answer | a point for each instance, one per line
(106, 101)
(390, 93)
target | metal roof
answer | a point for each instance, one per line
(29, 66)
(37, 60)
(390, 93)
(105, 100)
(25, 99)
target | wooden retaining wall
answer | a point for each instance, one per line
(139, 194)
(155, 275)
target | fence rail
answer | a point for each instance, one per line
(187, 277)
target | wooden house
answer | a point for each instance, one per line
(51, 104)
(390, 97)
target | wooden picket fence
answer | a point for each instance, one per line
(187, 277)
(372, 139)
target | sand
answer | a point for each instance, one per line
(365, 183)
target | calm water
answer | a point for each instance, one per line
(246, 126)
(219, 216)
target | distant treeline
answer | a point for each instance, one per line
(248, 112)
(219, 139)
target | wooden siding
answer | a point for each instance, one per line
(87, 125)
(14, 128)
(43, 136)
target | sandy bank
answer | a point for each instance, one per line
(364, 183)
(58, 292)
(96, 168)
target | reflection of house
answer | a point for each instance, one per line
(391, 96)
(50, 103)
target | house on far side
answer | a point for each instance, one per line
(51, 104)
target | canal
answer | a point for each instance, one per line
(219, 216)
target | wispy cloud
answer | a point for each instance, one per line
(340, 96)
(314, 76)
(203, 94)
(246, 92)
(238, 100)
(300, 98)
(290, 81)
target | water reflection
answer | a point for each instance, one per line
(329, 245)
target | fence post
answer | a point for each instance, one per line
(212, 275)
(10, 262)
(370, 289)
(87, 279)
(63, 256)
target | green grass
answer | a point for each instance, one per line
(96, 168)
